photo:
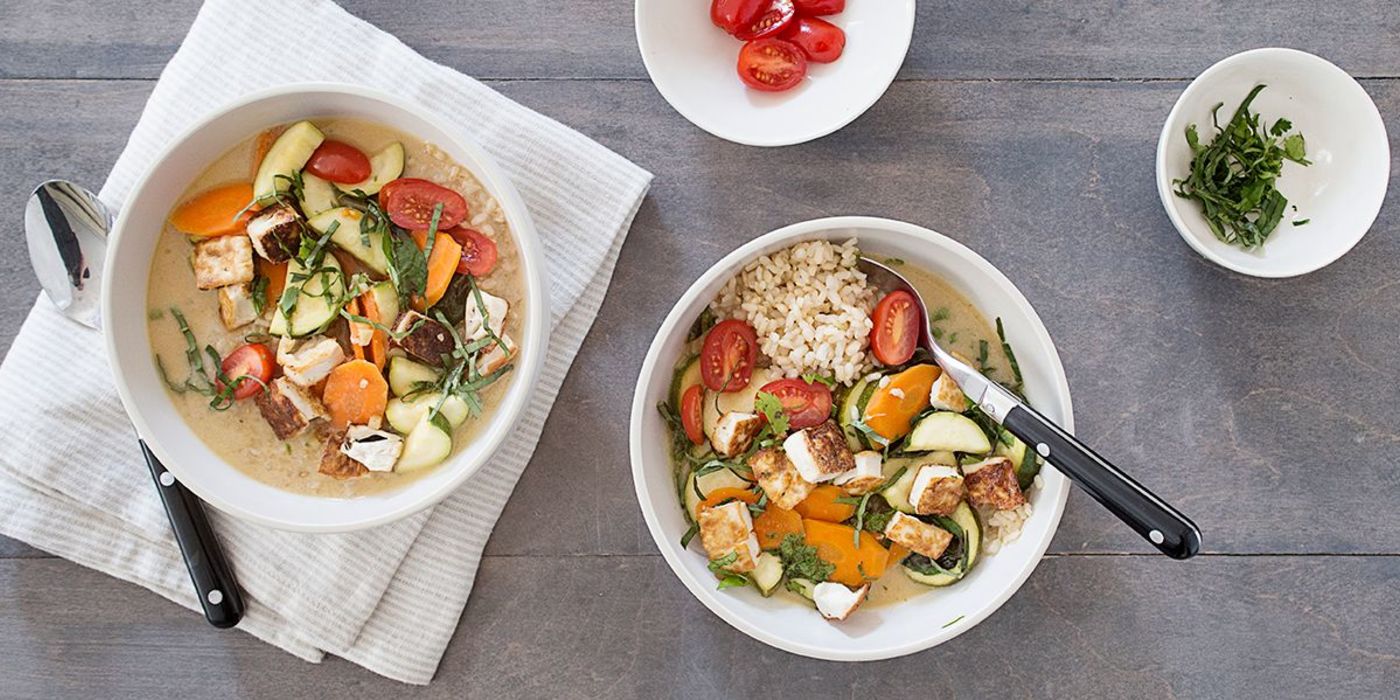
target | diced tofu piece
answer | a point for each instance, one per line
(223, 260)
(288, 408)
(309, 360)
(425, 339)
(276, 232)
(734, 432)
(866, 477)
(474, 327)
(497, 357)
(374, 448)
(236, 305)
(779, 479)
(917, 535)
(335, 463)
(819, 453)
(946, 395)
(835, 601)
(729, 529)
(937, 490)
(992, 483)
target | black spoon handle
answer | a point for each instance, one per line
(209, 570)
(1159, 523)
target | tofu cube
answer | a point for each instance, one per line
(917, 535)
(376, 449)
(497, 357)
(276, 233)
(236, 305)
(309, 360)
(423, 338)
(735, 432)
(819, 453)
(474, 325)
(835, 601)
(288, 408)
(335, 463)
(946, 395)
(728, 529)
(222, 260)
(866, 477)
(992, 483)
(937, 490)
(779, 479)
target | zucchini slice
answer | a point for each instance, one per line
(367, 249)
(951, 432)
(317, 195)
(313, 311)
(405, 375)
(286, 157)
(852, 411)
(425, 446)
(767, 573)
(387, 299)
(972, 546)
(687, 375)
(1022, 460)
(897, 494)
(384, 166)
(802, 586)
(702, 486)
(404, 415)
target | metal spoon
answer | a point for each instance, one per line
(1156, 521)
(66, 227)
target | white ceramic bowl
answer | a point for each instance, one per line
(876, 632)
(124, 305)
(693, 64)
(1340, 193)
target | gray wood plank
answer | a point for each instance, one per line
(624, 627)
(537, 38)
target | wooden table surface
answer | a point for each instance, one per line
(1027, 130)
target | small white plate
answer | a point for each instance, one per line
(1340, 193)
(693, 64)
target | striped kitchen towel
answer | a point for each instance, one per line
(72, 481)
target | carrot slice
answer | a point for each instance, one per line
(821, 504)
(774, 525)
(217, 212)
(442, 264)
(719, 496)
(836, 545)
(897, 553)
(893, 406)
(276, 274)
(355, 392)
(379, 342)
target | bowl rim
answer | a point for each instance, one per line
(1057, 490)
(1171, 202)
(885, 78)
(535, 345)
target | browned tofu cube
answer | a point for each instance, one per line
(337, 464)
(779, 479)
(728, 529)
(236, 307)
(820, 453)
(288, 408)
(221, 261)
(917, 535)
(937, 490)
(991, 483)
(426, 340)
(497, 356)
(734, 433)
(276, 232)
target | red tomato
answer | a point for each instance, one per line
(726, 359)
(691, 414)
(896, 331)
(410, 203)
(339, 162)
(478, 252)
(774, 19)
(771, 65)
(730, 15)
(805, 405)
(821, 40)
(251, 360)
(812, 8)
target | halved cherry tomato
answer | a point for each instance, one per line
(896, 331)
(410, 203)
(726, 359)
(812, 8)
(805, 405)
(821, 40)
(772, 20)
(338, 162)
(478, 252)
(730, 15)
(251, 360)
(692, 401)
(771, 65)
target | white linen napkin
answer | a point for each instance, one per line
(72, 481)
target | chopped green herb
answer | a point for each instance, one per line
(953, 621)
(1301, 222)
(155, 314)
(801, 561)
(690, 534)
(772, 409)
(814, 378)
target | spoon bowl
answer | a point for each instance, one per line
(66, 228)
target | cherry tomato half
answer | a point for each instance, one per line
(726, 359)
(812, 8)
(478, 252)
(339, 162)
(771, 65)
(410, 203)
(692, 403)
(731, 15)
(805, 405)
(771, 21)
(821, 40)
(251, 360)
(896, 331)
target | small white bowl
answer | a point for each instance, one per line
(693, 64)
(1340, 193)
(875, 632)
(124, 304)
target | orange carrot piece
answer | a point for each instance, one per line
(442, 264)
(355, 393)
(893, 407)
(276, 274)
(720, 495)
(897, 553)
(774, 525)
(836, 545)
(217, 212)
(821, 504)
(379, 342)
